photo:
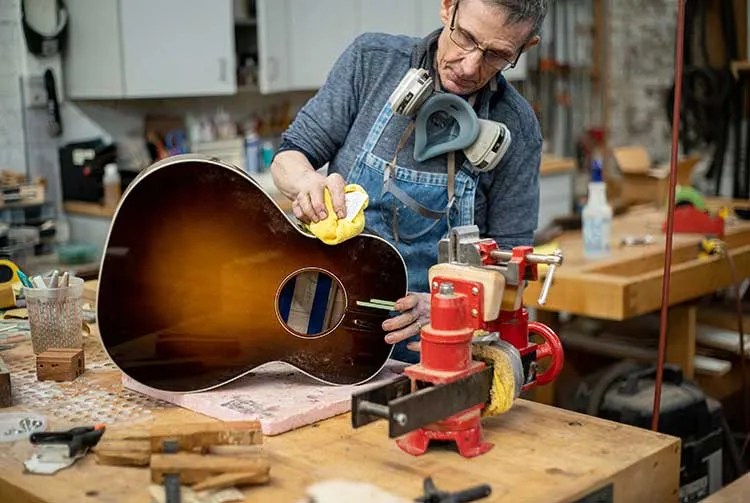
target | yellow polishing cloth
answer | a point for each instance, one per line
(503, 382)
(332, 229)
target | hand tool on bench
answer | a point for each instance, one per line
(477, 353)
(59, 449)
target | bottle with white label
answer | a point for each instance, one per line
(597, 217)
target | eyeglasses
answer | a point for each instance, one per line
(466, 42)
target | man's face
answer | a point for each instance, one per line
(465, 71)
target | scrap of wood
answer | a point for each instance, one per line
(133, 447)
(123, 452)
(194, 468)
(60, 364)
(125, 433)
(123, 458)
(233, 479)
(204, 435)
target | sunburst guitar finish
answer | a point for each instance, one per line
(194, 275)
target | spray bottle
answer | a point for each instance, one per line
(597, 216)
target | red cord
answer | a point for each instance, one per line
(670, 212)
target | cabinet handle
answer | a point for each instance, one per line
(222, 69)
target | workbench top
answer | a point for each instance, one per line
(628, 282)
(541, 453)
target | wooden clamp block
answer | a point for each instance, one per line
(60, 364)
(134, 447)
(6, 396)
(201, 436)
(196, 468)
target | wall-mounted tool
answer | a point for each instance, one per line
(477, 353)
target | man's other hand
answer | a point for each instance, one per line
(415, 313)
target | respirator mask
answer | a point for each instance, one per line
(445, 122)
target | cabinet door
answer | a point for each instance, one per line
(92, 61)
(178, 47)
(389, 16)
(318, 33)
(428, 16)
(273, 46)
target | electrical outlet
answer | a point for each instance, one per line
(35, 94)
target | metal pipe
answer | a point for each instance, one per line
(534, 258)
(670, 213)
(373, 409)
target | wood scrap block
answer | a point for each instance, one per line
(60, 364)
(233, 479)
(133, 447)
(123, 452)
(201, 436)
(195, 468)
(6, 394)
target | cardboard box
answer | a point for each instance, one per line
(644, 181)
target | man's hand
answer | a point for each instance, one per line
(298, 180)
(309, 205)
(415, 313)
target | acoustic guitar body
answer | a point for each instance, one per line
(201, 274)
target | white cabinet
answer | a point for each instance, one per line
(142, 48)
(429, 17)
(273, 46)
(299, 40)
(390, 16)
(319, 32)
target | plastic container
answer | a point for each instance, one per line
(266, 154)
(597, 217)
(55, 316)
(112, 185)
(252, 153)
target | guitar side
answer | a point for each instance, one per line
(193, 264)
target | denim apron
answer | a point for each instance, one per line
(411, 209)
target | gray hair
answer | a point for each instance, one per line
(520, 11)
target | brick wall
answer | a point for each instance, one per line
(641, 72)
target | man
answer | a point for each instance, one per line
(350, 125)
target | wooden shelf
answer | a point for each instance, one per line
(554, 164)
(88, 209)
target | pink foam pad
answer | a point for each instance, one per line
(276, 394)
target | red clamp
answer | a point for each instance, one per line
(551, 347)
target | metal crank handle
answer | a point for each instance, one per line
(542, 300)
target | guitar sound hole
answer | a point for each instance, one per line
(311, 303)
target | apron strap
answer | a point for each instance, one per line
(402, 141)
(390, 186)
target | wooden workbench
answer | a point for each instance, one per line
(541, 453)
(628, 283)
(554, 164)
(736, 492)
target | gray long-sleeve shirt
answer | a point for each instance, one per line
(333, 125)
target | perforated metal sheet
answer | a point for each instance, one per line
(97, 396)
